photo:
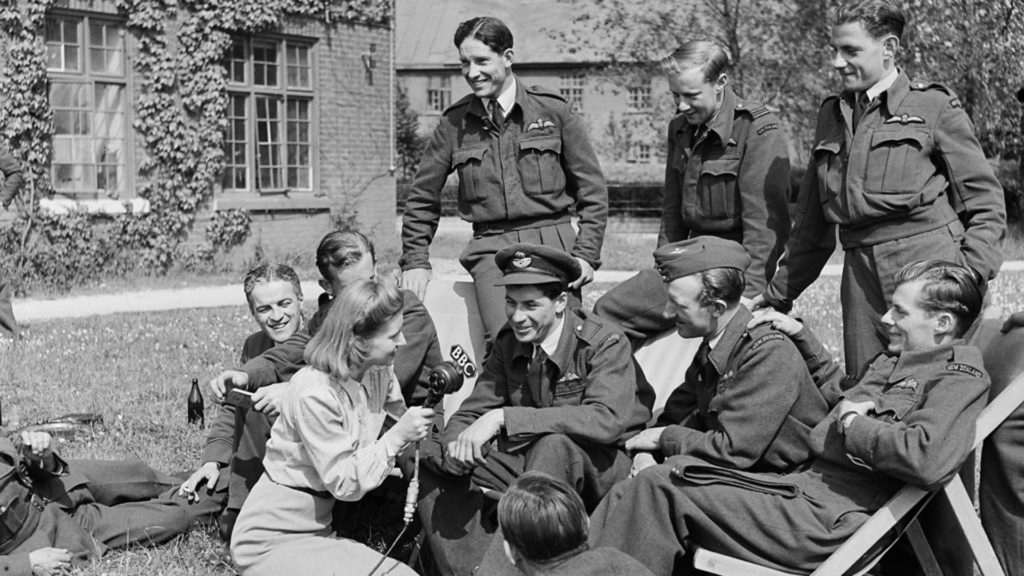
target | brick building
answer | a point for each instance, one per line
(620, 111)
(308, 127)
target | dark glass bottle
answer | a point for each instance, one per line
(196, 412)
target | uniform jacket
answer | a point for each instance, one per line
(220, 442)
(31, 518)
(593, 395)
(538, 166)
(732, 181)
(412, 363)
(757, 412)
(11, 169)
(599, 562)
(913, 165)
(922, 427)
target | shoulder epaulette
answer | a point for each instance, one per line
(924, 85)
(544, 91)
(754, 109)
(464, 101)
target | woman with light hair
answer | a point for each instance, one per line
(325, 446)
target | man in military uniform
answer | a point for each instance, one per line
(748, 401)
(13, 180)
(726, 175)
(897, 167)
(558, 394)
(910, 418)
(524, 160)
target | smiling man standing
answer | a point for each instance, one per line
(897, 167)
(558, 394)
(524, 160)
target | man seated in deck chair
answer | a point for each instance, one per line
(558, 394)
(747, 400)
(910, 418)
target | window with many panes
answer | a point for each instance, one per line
(638, 98)
(639, 153)
(269, 141)
(88, 96)
(571, 88)
(439, 93)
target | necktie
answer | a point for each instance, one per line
(859, 106)
(535, 377)
(702, 361)
(496, 116)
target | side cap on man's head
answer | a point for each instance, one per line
(698, 254)
(535, 264)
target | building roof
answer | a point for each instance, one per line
(425, 28)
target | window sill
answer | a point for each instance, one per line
(108, 206)
(274, 204)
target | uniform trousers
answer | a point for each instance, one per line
(652, 516)
(637, 306)
(460, 519)
(868, 282)
(478, 259)
(121, 502)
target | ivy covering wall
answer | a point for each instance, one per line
(180, 113)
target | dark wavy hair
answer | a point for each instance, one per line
(269, 273)
(948, 287)
(487, 29)
(543, 519)
(340, 249)
(879, 17)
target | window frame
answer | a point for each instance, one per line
(638, 99)
(283, 94)
(85, 76)
(572, 87)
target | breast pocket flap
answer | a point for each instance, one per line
(542, 145)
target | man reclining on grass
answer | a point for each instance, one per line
(55, 513)
(274, 295)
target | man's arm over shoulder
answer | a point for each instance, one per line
(975, 190)
(764, 190)
(279, 363)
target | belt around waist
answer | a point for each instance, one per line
(881, 231)
(501, 226)
(303, 489)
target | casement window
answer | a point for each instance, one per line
(89, 98)
(269, 144)
(571, 88)
(439, 93)
(638, 99)
(639, 153)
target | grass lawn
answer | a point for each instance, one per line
(136, 369)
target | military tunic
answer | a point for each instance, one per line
(570, 425)
(517, 183)
(910, 183)
(756, 410)
(920, 431)
(728, 178)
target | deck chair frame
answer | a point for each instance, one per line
(905, 502)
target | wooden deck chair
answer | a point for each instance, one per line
(865, 548)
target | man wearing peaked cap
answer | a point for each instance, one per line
(559, 394)
(747, 401)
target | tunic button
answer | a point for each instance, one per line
(580, 327)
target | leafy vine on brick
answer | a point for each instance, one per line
(180, 111)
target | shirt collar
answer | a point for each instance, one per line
(882, 85)
(550, 343)
(723, 344)
(910, 363)
(507, 98)
(721, 122)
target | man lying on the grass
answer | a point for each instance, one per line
(54, 513)
(274, 295)
(910, 418)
